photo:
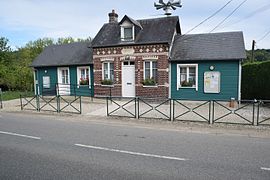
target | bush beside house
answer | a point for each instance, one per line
(256, 80)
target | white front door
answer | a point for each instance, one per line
(128, 79)
(63, 81)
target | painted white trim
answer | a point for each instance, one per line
(79, 75)
(151, 68)
(59, 74)
(240, 81)
(106, 59)
(127, 25)
(150, 58)
(178, 75)
(35, 81)
(170, 81)
(109, 72)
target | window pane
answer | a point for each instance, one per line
(106, 74)
(154, 70)
(147, 70)
(111, 71)
(128, 33)
(183, 76)
(147, 65)
(192, 76)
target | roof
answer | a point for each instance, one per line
(77, 53)
(211, 46)
(157, 30)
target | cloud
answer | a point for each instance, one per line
(83, 18)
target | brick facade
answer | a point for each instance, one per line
(138, 54)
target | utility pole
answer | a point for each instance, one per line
(252, 52)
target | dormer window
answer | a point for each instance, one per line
(127, 33)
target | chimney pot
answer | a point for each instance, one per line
(113, 17)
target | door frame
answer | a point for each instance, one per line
(129, 64)
(63, 89)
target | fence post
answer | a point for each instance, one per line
(210, 119)
(58, 103)
(80, 104)
(213, 112)
(135, 107)
(258, 113)
(38, 102)
(171, 119)
(173, 109)
(21, 102)
(107, 102)
(138, 108)
(1, 99)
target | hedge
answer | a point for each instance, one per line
(256, 80)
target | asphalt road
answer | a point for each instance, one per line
(48, 147)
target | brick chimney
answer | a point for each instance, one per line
(113, 17)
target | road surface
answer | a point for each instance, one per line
(34, 146)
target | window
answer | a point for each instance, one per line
(127, 33)
(187, 76)
(64, 76)
(83, 75)
(150, 70)
(108, 72)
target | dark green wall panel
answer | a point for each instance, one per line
(229, 81)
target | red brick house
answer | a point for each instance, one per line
(130, 57)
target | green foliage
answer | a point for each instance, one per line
(186, 84)
(259, 55)
(149, 82)
(15, 70)
(9, 95)
(106, 82)
(256, 80)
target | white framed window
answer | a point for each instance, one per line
(150, 70)
(83, 75)
(64, 76)
(127, 33)
(108, 71)
(187, 76)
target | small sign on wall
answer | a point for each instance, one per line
(212, 82)
(46, 82)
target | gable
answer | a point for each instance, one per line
(148, 31)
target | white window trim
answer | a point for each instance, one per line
(103, 64)
(151, 68)
(122, 32)
(79, 75)
(59, 74)
(178, 75)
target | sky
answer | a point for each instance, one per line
(22, 21)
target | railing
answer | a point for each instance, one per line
(234, 112)
(263, 112)
(247, 112)
(192, 110)
(119, 106)
(56, 103)
(67, 90)
(154, 108)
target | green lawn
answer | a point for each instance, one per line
(9, 95)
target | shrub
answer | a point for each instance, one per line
(149, 82)
(106, 82)
(256, 80)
